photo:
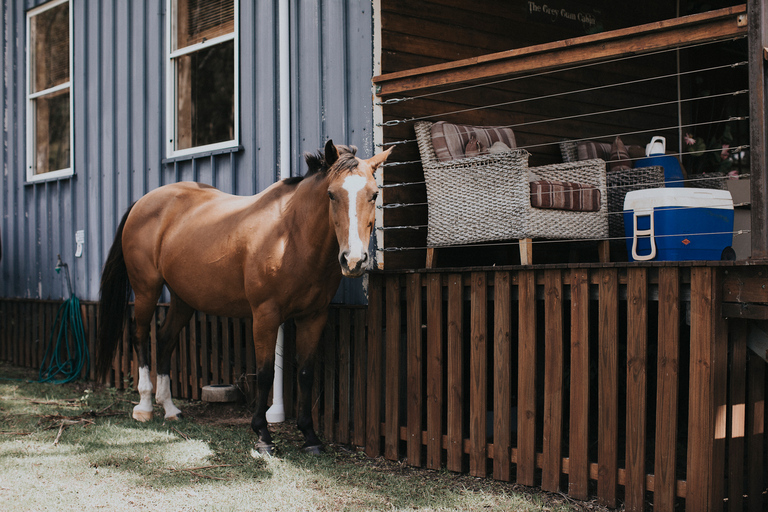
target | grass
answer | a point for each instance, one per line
(74, 446)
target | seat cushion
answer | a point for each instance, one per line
(450, 140)
(563, 195)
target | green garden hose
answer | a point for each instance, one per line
(64, 360)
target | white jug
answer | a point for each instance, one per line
(657, 146)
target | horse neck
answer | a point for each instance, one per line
(311, 210)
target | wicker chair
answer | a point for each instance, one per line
(487, 198)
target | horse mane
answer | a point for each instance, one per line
(316, 163)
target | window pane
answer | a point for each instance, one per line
(52, 132)
(198, 20)
(49, 36)
(205, 95)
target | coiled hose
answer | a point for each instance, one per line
(64, 361)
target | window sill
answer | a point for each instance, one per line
(202, 154)
(49, 177)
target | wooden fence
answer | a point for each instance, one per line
(623, 383)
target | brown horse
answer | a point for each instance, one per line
(271, 257)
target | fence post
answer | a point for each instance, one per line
(707, 403)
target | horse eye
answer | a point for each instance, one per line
(330, 194)
(374, 196)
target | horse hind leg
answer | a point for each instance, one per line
(144, 310)
(177, 318)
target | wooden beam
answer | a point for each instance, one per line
(699, 28)
(758, 125)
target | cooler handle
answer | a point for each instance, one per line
(644, 232)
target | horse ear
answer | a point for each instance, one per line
(376, 160)
(331, 153)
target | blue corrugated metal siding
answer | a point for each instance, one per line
(118, 83)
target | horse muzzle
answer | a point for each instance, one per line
(353, 266)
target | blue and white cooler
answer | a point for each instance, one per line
(677, 224)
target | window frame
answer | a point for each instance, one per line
(31, 97)
(171, 57)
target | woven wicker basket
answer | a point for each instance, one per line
(621, 182)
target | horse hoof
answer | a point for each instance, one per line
(263, 448)
(313, 450)
(142, 415)
(176, 417)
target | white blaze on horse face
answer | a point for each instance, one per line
(354, 185)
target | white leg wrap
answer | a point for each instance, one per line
(163, 397)
(143, 411)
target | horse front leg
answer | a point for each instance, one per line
(265, 327)
(308, 332)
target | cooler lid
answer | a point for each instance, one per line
(650, 198)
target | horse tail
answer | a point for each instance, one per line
(114, 296)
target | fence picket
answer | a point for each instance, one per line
(414, 369)
(667, 389)
(392, 373)
(502, 382)
(526, 375)
(373, 404)
(478, 375)
(578, 437)
(637, 361)
(553, 380)
(608, 388)
(455, 373)
(434, 370)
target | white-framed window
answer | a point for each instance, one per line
(49, 91)
(203, 73)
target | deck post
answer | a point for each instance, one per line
(757, 14)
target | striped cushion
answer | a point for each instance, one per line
(588, 150)
(449, 140)
(563, 195)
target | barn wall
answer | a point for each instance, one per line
(119, 126)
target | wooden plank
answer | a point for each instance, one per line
(205, 361)
(755, 433)
(745, 285)
(707, 408)
(526, 379)
(637, 364)
(608, 384)
(345, 325)
(392, 374)
(226, 350)
(737, 405)
(667, 389)
(434, 370)
(454, 357)
(373, 404)
(238, 359)
(553, 380)
(215, 349)
(757, 28)
(502, 381)
(183, 374)
(478, 375)
(329, 376)
(578, 438)
(414, 368)
(194, 365)
(711, 26)
(360, 377)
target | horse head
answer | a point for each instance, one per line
(352, 191)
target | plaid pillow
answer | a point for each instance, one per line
(563, 195)
(619, 160)
(449, 140)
